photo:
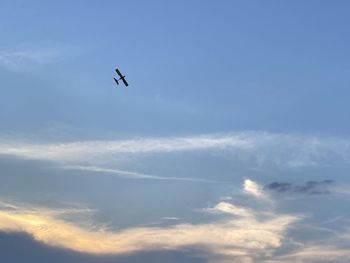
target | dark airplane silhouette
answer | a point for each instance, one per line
(121, 78)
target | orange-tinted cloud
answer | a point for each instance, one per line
(241, 233)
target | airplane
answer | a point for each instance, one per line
(121, 78)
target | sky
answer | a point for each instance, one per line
(231, 143)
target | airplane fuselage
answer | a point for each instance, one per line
(121, 77)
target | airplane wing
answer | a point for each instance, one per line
(118, 72)
(126, 83)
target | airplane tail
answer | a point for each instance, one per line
(116, 81)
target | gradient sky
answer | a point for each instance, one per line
(231, 143)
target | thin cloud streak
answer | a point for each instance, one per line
(135, 175)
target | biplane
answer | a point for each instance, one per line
(121, 77)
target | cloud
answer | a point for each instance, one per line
(170, 218)
(259, 149)
(135, 175)
(90, 149)
(26, 60)
(310, 187)
(236, 227)
(29, 250)
(326, 253)
(228, 208)
(252, 188)
(334, 248)
(241, 232)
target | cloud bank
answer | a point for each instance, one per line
(238, 231)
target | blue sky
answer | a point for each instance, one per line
(233, 131)
(196, 67)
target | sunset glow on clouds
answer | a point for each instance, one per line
(241, 233)
(246, 231)
(230, 144)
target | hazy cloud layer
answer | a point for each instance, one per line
(27, 60)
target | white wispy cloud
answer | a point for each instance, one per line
(27, 59)
(255, 150)
(284, 150)
(86, 149)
